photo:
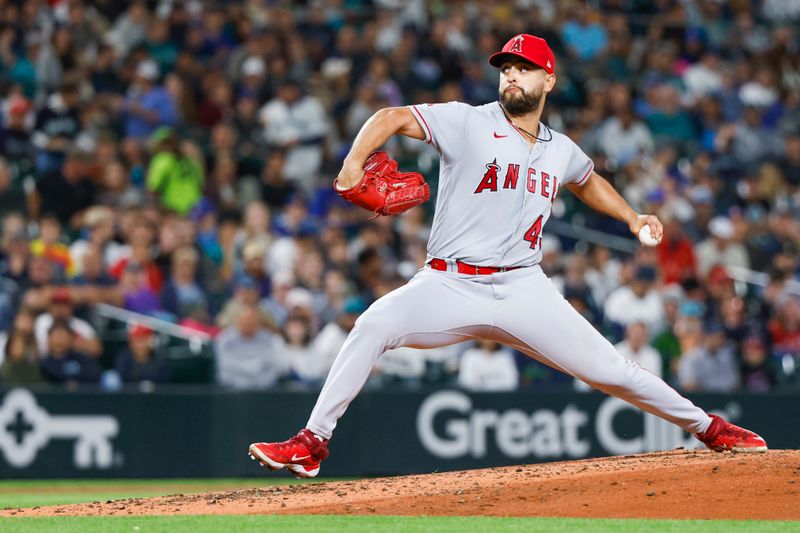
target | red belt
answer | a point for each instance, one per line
(465, 268)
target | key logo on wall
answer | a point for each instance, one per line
(26, 428)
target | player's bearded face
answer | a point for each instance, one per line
(520, 102)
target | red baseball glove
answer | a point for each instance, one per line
(384, 190)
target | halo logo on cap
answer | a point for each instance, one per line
(517, 44)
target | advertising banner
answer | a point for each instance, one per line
(185, 433)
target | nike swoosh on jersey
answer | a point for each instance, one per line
(496, 136)
(295, 458)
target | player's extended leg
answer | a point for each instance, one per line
(433, 309)
(542, 323)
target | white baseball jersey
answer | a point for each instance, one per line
(495, 189)
(495, 195)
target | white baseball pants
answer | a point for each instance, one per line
(520, 308)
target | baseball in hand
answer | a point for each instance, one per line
(646, 238)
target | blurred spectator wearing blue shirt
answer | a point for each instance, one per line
(62, 363)
(585, 39)
(147, 105)
(139, 362)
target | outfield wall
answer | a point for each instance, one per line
(186, 433)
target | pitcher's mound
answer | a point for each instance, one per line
(677, 484)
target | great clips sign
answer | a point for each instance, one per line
(454, 425)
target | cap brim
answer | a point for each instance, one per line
(497, 58)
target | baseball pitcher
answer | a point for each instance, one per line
(501, 170)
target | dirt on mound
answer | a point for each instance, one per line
(677, 484)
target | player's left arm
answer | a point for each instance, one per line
(598, 194)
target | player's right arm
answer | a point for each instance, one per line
(373, 134)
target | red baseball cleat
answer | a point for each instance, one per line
(722, 435)
(301, 454)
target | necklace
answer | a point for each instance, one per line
(529, 134)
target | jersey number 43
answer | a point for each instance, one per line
(534, 234)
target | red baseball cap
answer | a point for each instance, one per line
(139, 330)
(60, 295)
(18, 105)
(527, 47)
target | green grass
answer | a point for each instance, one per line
(25, 493)
(379, 523)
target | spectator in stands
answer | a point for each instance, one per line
(790, 162)
(159, 45)
(141, 240)
(129, 29)
(602, 274)
(61, 309)
(295, 220)
(575, 287)
(703, 78)
(666, 341)
(636, 349)
(49, 245)
(584, 38)
(147, 106)
(623, 138)
(93, 272)
(182, 292)
(246, 294)
(15, 138)
(784, 326)
(276, 305)
(63, 363)
(57, 126)
(676, 256)
(247, 355)
(330, 339)
(688, 331)
(300, 303)
(140, 362)
(14, 246)
(298, 124)
(305, 363)
(19, 354)
(137, 296)
(175, 173)
(12, 195)
(711, 366)
(757, 374)
(733, 318)
(118, 190)
(488, 366)
(256, 228)
(98, 231)
(721, 248)
(253, 259)
(749, 141)
(66, 190)
(276, 190)
(638, 301)
(669, 122)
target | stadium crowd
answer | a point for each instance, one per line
(174, 158)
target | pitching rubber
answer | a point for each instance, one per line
(298, 470)
(755, 449)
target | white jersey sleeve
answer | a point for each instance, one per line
(579, 167)
(444, 125)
